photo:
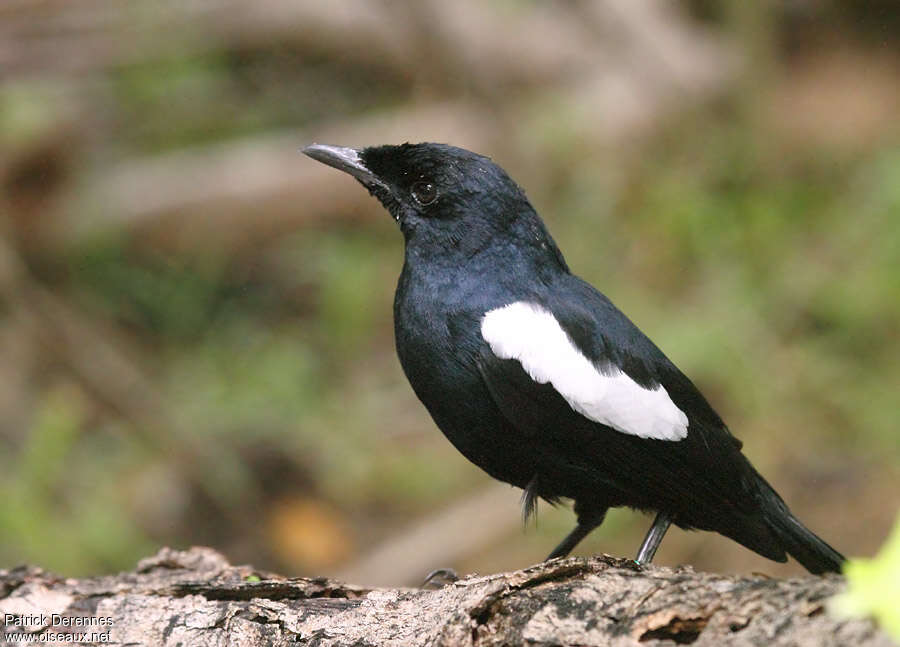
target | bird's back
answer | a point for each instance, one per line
(438, 334)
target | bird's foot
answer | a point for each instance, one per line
(439, 578)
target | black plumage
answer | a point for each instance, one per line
(506, 397)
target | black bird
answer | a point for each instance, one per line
(537, 378)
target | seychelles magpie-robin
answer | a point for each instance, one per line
(537, 378)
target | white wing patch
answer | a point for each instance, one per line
(531, 334)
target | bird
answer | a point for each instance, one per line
(538, 379)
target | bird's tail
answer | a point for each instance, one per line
(800, 542)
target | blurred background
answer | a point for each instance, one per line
(196, 341)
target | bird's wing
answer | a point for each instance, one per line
(571, 371)
(602, 392)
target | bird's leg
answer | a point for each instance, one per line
(654, 538)
(566, 545)
(586, 523)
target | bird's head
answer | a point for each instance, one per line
(440, 194)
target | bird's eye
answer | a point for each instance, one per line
(424, 193)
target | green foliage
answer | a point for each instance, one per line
(874, 587)
(63, 507)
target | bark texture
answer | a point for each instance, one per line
(197, 598)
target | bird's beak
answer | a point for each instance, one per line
(344, 159)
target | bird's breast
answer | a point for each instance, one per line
(438, 340)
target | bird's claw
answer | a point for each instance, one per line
(439, 577)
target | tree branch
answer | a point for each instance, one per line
(196, 598)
